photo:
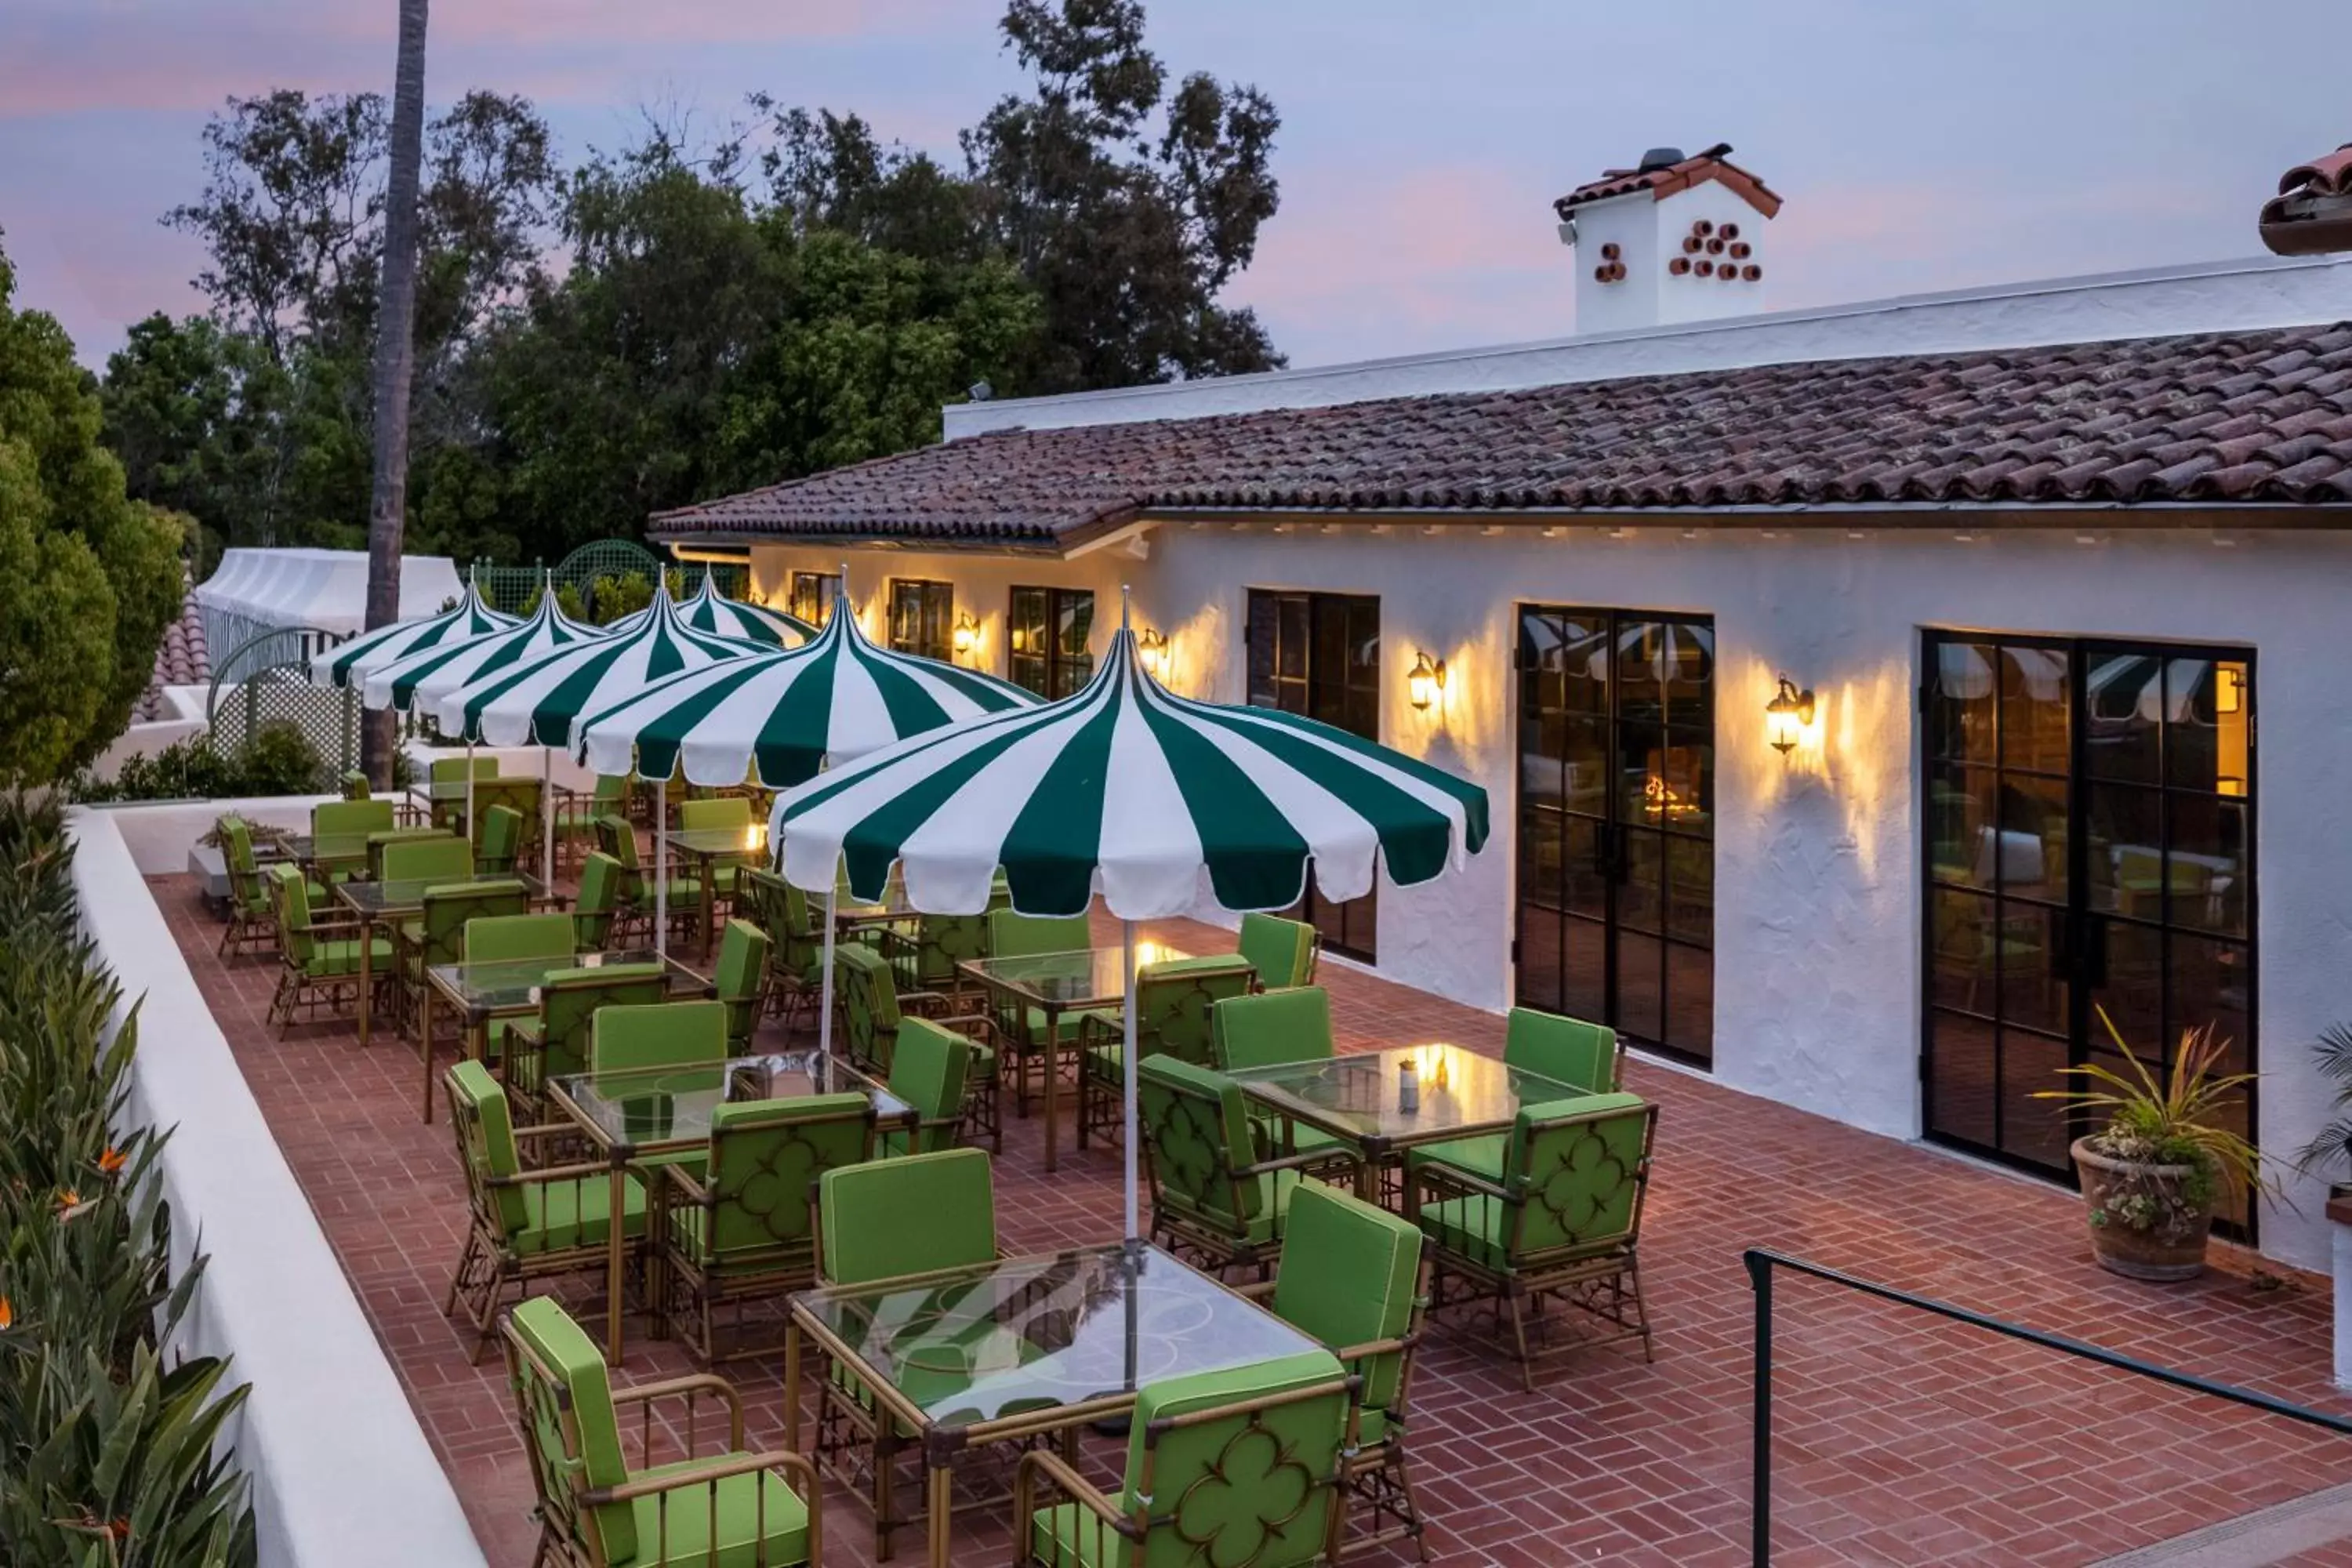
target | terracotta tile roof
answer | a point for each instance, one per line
(1667, 179)
(2313, 211)
(181, 658)
(2261, 416)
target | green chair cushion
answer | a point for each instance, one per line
(749, 1509)
(1472, 1227)
(1273, 1188)
(561, 1215)
(1481, 1157)
(1068, 1534)
(906, 1215)
(1066, 1027)
(341, 956)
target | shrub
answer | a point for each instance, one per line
(278, 760)
(110, 1452)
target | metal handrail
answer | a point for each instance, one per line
(1761, 1262)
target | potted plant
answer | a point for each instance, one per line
(2330, 1153)
(2153, 1176)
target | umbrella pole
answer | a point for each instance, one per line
(824, 1018)
(471, 841)
(661, 869)
(1126, 934)
(547, 815)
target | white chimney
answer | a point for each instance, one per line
(1677, 239)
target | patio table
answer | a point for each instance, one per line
(634, 1115)
(386, 904)
(708, 847)
(508, 988)
(1055, 983)
(1023, 1347)
(1462, 1095)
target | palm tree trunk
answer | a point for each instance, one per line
(395, 353)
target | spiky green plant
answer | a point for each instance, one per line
(2332, 1146)
(2179, 1118)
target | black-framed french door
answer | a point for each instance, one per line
(1616, 844)
(2089, 849)
(1320, 655)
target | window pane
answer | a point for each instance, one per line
(2123, 717)
(1960, 695)
(1265, 634)
(1690, 674)
(2033, 706)
(2206, 873)
(2125, 865)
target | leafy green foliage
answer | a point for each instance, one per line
(2181, 1118)
(278, 760)
(2332, 1149)
(88, 579)
(112, 1454)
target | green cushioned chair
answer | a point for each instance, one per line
(723, 1509)
(929, 1070)
(598, 908)
(615, 837)
(419, 854)
(866, 988)
(1275, 1029)
(1568, 1051)
(453, 770)
(1020, 1031)
(318, 961)
(1350, 1277)
(1213, 1198)
(252, 908)
(742, 978)
(740, 1230)
(555, 1043)
(524, 1225)
(355, 785)
(1235, 1468)
(727, 811)
(437, 935)
(545, 938)
(911, 1216)
(795, 946)
(1283, 952)
(501, 840)
(340, 830)
(1173, 1002)
(670, 1035)
(1561, 1225)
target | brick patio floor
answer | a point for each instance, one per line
(1902, 1440)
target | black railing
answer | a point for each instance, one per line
(1762, 1261)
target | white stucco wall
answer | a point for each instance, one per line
(1818, 972)
(343, 1475)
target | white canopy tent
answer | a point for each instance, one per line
(257, 591)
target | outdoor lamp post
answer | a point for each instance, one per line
(1787, 716)
(1425, 681)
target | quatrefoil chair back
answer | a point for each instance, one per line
(742, 1230)
(1240, 1468)
(1568, 1051)
(720, 1509)
(1174, 999)
(555, 1043)
(501, 839)
(1283, 952)
(1214, 1200)
(599, 904)
(795, 950)
(1561, 1225)
(1350, 1277)
(868, 996)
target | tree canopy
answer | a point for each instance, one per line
(88, 577)
(670, 320)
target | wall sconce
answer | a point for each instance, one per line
(1020, 639)
(1426, 680)
(966, 633)
(1154, 647)
(1787, 716)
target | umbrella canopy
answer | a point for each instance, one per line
(1130, 788)
(839, 698)
(429, 674)
(345, 663)
(714, 614)
(539, 700)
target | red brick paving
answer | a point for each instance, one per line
(1902, 1440)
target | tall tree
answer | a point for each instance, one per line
(395, 351)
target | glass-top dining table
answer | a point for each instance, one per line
(633, 1115)
(1021, 1347)
(709, 848)
(1053, 985)
(1458, 1093)
(387, 904)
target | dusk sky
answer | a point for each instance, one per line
(1918, 147)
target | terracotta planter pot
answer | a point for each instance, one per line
(2141, 1224)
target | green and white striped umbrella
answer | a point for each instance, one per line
(539, 700)
(712, 612)
(429, 674)
(347, 661)
(787, 713)
(1150, 798)
(1126, 789)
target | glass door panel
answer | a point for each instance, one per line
(1320, 655)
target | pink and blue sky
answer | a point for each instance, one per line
(1919, 146)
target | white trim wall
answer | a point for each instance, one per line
(1818, 900)
(343, 1475)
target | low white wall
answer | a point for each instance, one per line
(514, 762)
(343, 1475)
(159, 834)
(183, 708)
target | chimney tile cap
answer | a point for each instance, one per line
(1664, 180)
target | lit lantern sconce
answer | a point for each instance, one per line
(1426, 681)
(1154, 647)
(1787, 716)
(966, 636)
